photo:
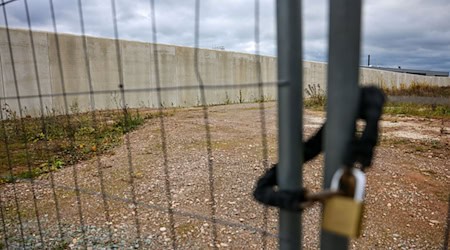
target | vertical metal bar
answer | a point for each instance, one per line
(95, 121)
(162, 126)
(447, 227)
(5, 231)
(43, 123)
(131, 171)
(343, 94)
(22, 124)
(262, 115)
(204, 103)
(290, 97)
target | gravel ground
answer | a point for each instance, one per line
(406, 202)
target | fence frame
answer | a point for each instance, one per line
(343, 97)
(290, 113)
(342, 93)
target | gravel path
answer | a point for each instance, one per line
(406, 202)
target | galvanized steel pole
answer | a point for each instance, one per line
(343, 94)
(290, 115)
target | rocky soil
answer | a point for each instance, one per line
(121, 200)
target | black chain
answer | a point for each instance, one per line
(361, 150)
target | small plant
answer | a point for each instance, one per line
(129, 122)
(9, 113)
(259, 99)
(56, 164)
(227, 99)
(62, 245)
(8, 179)
(316, 96)
(37, 137)
(74, 107)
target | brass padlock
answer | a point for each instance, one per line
(342, 214)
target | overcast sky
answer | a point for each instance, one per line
(407, 33)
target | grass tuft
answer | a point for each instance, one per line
(420, 110)
(418, 89)
(316, 98)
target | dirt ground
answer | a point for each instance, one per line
(405, 208)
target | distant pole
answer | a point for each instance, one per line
(290, 97)
(368, 60)
(343, 94)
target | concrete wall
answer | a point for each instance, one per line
(68, 70)
(315, 72)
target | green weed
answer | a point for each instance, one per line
(227, 99)
(420, 110)
(129, 122)
(260, 99)
(53, 141)
(417, 89)
(316, 98)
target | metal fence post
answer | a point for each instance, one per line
(343, 94)
(289, 114)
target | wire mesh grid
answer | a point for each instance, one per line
(41, 208)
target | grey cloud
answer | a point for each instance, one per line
(410, 33)
(413, 33)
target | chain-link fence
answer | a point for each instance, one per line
(75, 172)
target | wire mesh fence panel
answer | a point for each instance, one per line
(111, 142)
(97, 150)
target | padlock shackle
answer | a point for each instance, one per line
(360, 178)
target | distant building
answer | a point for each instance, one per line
(413, 71)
